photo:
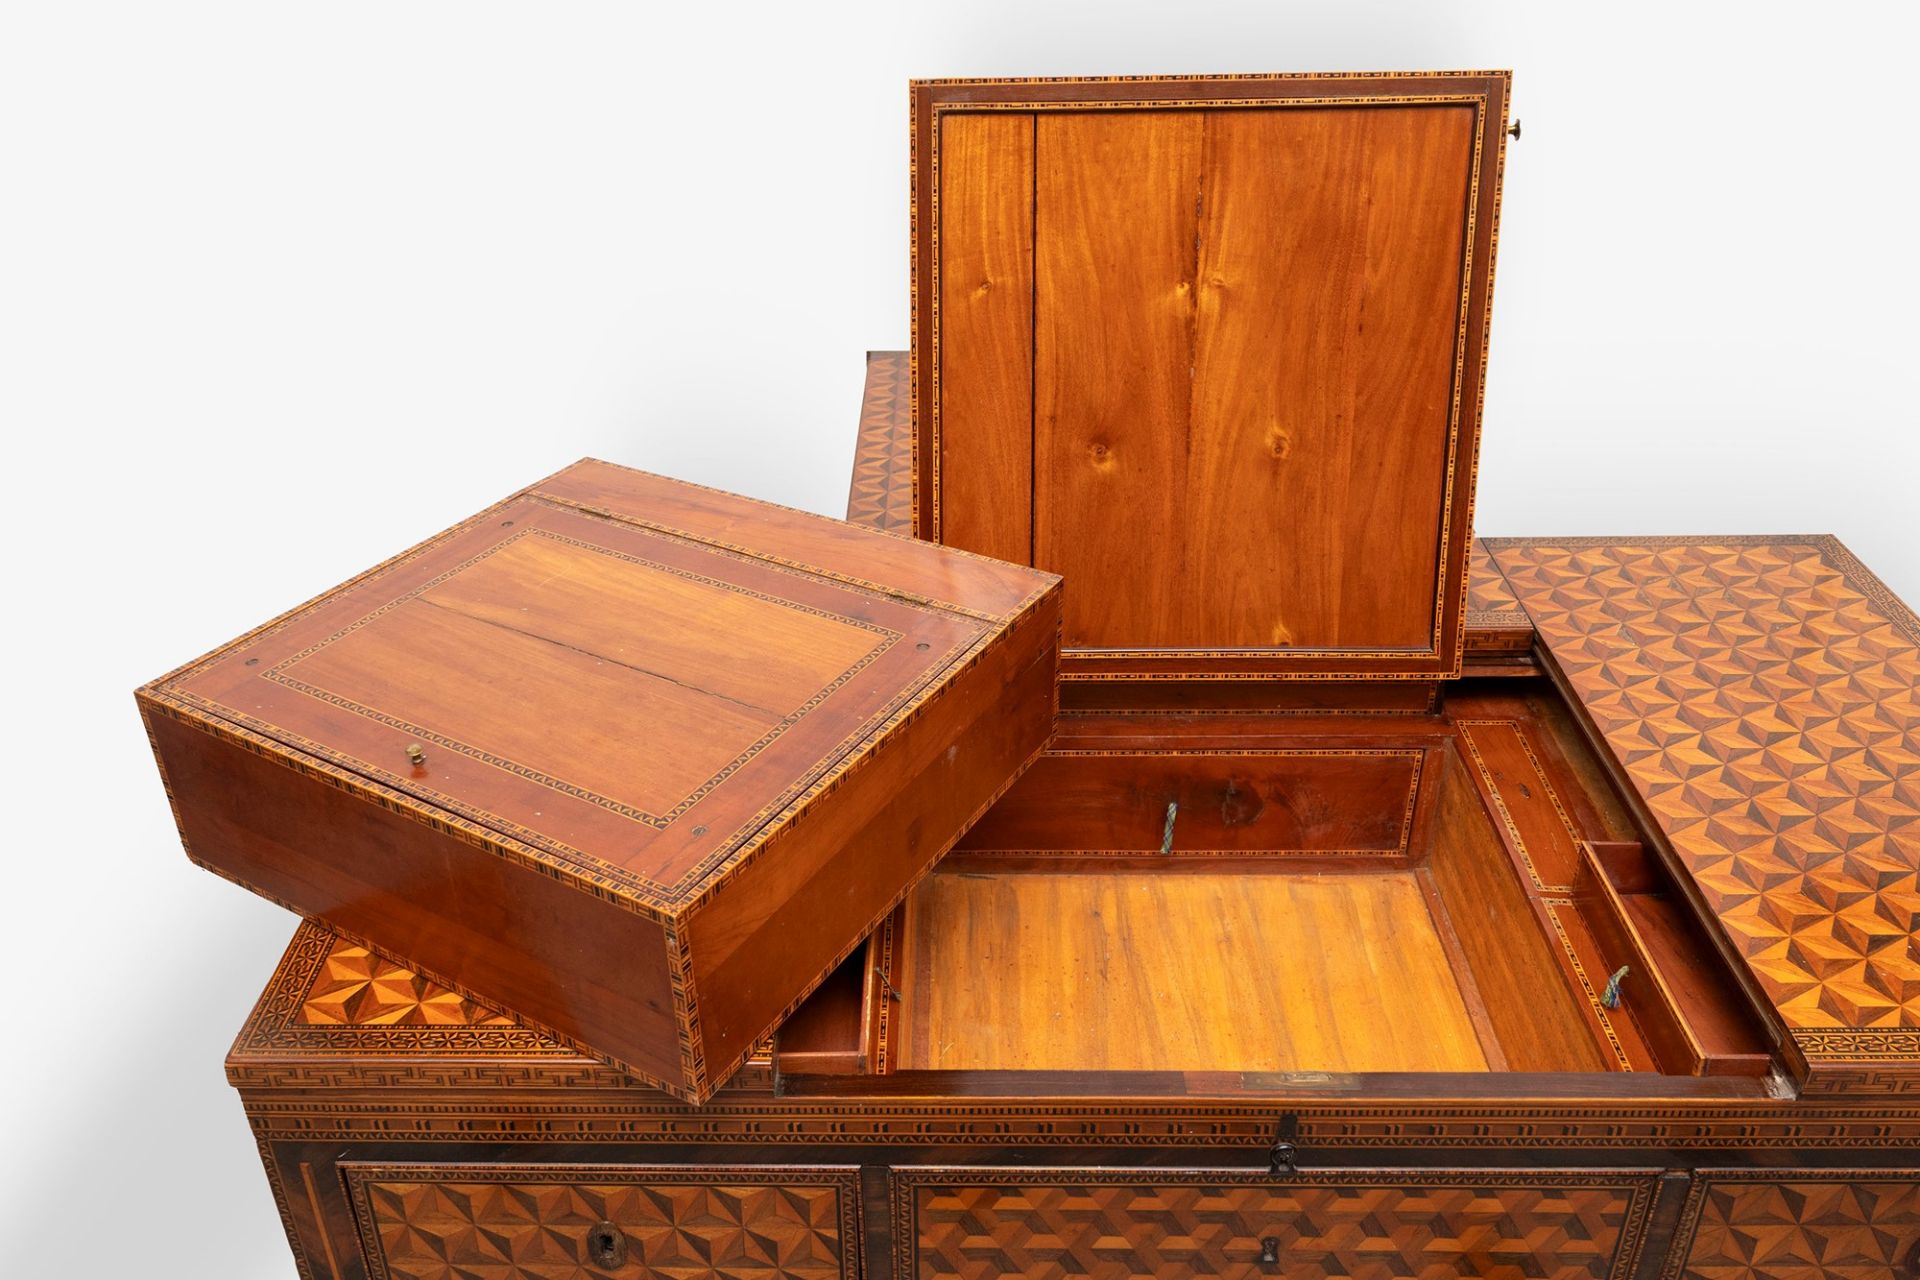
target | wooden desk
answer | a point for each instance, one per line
(1711, 748)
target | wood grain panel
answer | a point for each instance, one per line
(1275, 412)
(986, 311)
(835, 548)
(1354, 801)
(1113, 369)
(246, 817)
(1091, 972)
(1326, 296)
(1514, 965)
(1542, 832)
(1259, 333)
(597, 677)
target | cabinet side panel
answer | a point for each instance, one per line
(459, 912)
(986, 334)
(1527, 1000)
(826, 881)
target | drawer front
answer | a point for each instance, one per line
(1846, 1224)
(972, 1224)
(572, 1221)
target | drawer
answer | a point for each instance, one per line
(1118, 1224)
(1830, 1224)
(549, 1221)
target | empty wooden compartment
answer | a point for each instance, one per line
(1433, 896)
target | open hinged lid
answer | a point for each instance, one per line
(638, 760)
(1213, 350)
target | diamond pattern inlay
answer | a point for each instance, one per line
(1764, 698)
(355, 987)
(1830, 1226)
(1487, 590)
(881, 496)
(1110, 1225)
(470, 1222)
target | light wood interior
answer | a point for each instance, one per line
(1120, 972)
(1311, 914)
(1181, 347)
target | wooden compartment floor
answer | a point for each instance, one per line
(1228, 971)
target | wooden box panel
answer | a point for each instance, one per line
(638, 760)
(976, 1224)
(1212, 348)
(1351, 802)
(881, 496)
(564, 1222)
(1832, 1224)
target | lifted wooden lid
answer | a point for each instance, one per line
(1759, 698)
(1213, 349)
(638, 760)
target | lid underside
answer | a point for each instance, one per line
(1213, 352)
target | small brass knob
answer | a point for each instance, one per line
(1513, 131)
(416, 754)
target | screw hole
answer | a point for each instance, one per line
(699, 831)
(506, 524)
(923, 646)
(253, 662)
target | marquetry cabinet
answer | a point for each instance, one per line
(1152, 836)
(409, 1130)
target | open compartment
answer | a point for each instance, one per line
(1212, 354)
(1382, 896)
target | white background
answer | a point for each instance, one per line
(284, 288)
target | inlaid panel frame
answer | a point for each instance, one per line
(656, 1182)
(1485, 91)
(1811, 1226)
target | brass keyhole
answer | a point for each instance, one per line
(1270, 1251)
(606, 1246)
